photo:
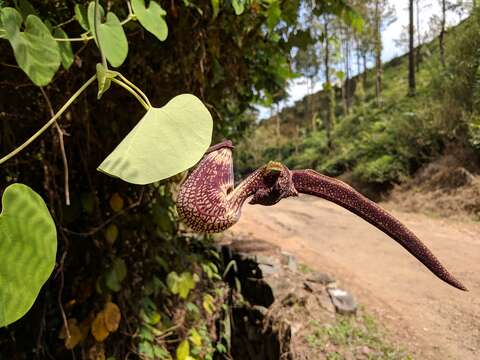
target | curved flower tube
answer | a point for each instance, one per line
(209, 202)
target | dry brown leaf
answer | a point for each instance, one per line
(112, 316)
(116, 202)
(99, 330)
(75, 334)
(96, 352)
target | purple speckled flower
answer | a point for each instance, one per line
(208, 201)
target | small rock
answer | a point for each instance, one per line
(289, 261)
(325, 302)
(321, 278)
(343, 301)
(290, 300)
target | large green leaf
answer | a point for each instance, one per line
(35, 49)
(66, 53)
(112, 37)
(166, 141)
(151, 18)
(28, 244)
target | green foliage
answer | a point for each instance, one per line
(28, 244)
(35, 49)
(155, 148)
(115, 275)
(66, 53)
(81, 16)
(111, 35)
(151, 18)
(182, 284)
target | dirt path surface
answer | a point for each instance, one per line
(431, 319)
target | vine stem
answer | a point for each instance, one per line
(87, 38)
(95, 29)
(62, 147)
(146, 105)
(50, 122)
(135, 87)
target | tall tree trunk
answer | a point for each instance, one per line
(411, 53)
(365, 75)
(311, 101)
(418, 53)
(358, 55)
(441, 37)
(330, 118)
(345, 87)
(378, 53)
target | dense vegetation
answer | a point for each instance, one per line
(129, 281)
(381, 143)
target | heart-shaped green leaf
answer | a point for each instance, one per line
(66, 53)
(166, 141)
(81, 16)
(25, 8)
(28, 244)
(112, 37)
(151, 18)
(35, 49)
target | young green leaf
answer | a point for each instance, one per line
(35, 49)
(115, 275)
(81, 16)
(166, 141)
(151, 18)
(66, 53)
(112, 37)
(104, 80)
(238, 6)
(215, 8)
(28, 240)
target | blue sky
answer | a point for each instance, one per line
(428, 8)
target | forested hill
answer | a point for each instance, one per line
(381, 140)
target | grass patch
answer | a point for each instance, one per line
(353, 337)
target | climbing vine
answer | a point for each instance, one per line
(115, 235)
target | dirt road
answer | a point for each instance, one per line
(431, 319)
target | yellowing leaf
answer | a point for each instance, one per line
(99, 329)
(183, 350)
(208, 305)
(75, 334)
(116, 202)
(195, 338)
(111, 233)
(96, 352)
(112, 316)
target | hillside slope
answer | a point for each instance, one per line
(380, 143)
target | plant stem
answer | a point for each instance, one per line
(50, 122)
(131, 91)
(135, 87)
(96, 26)
(87, 38)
